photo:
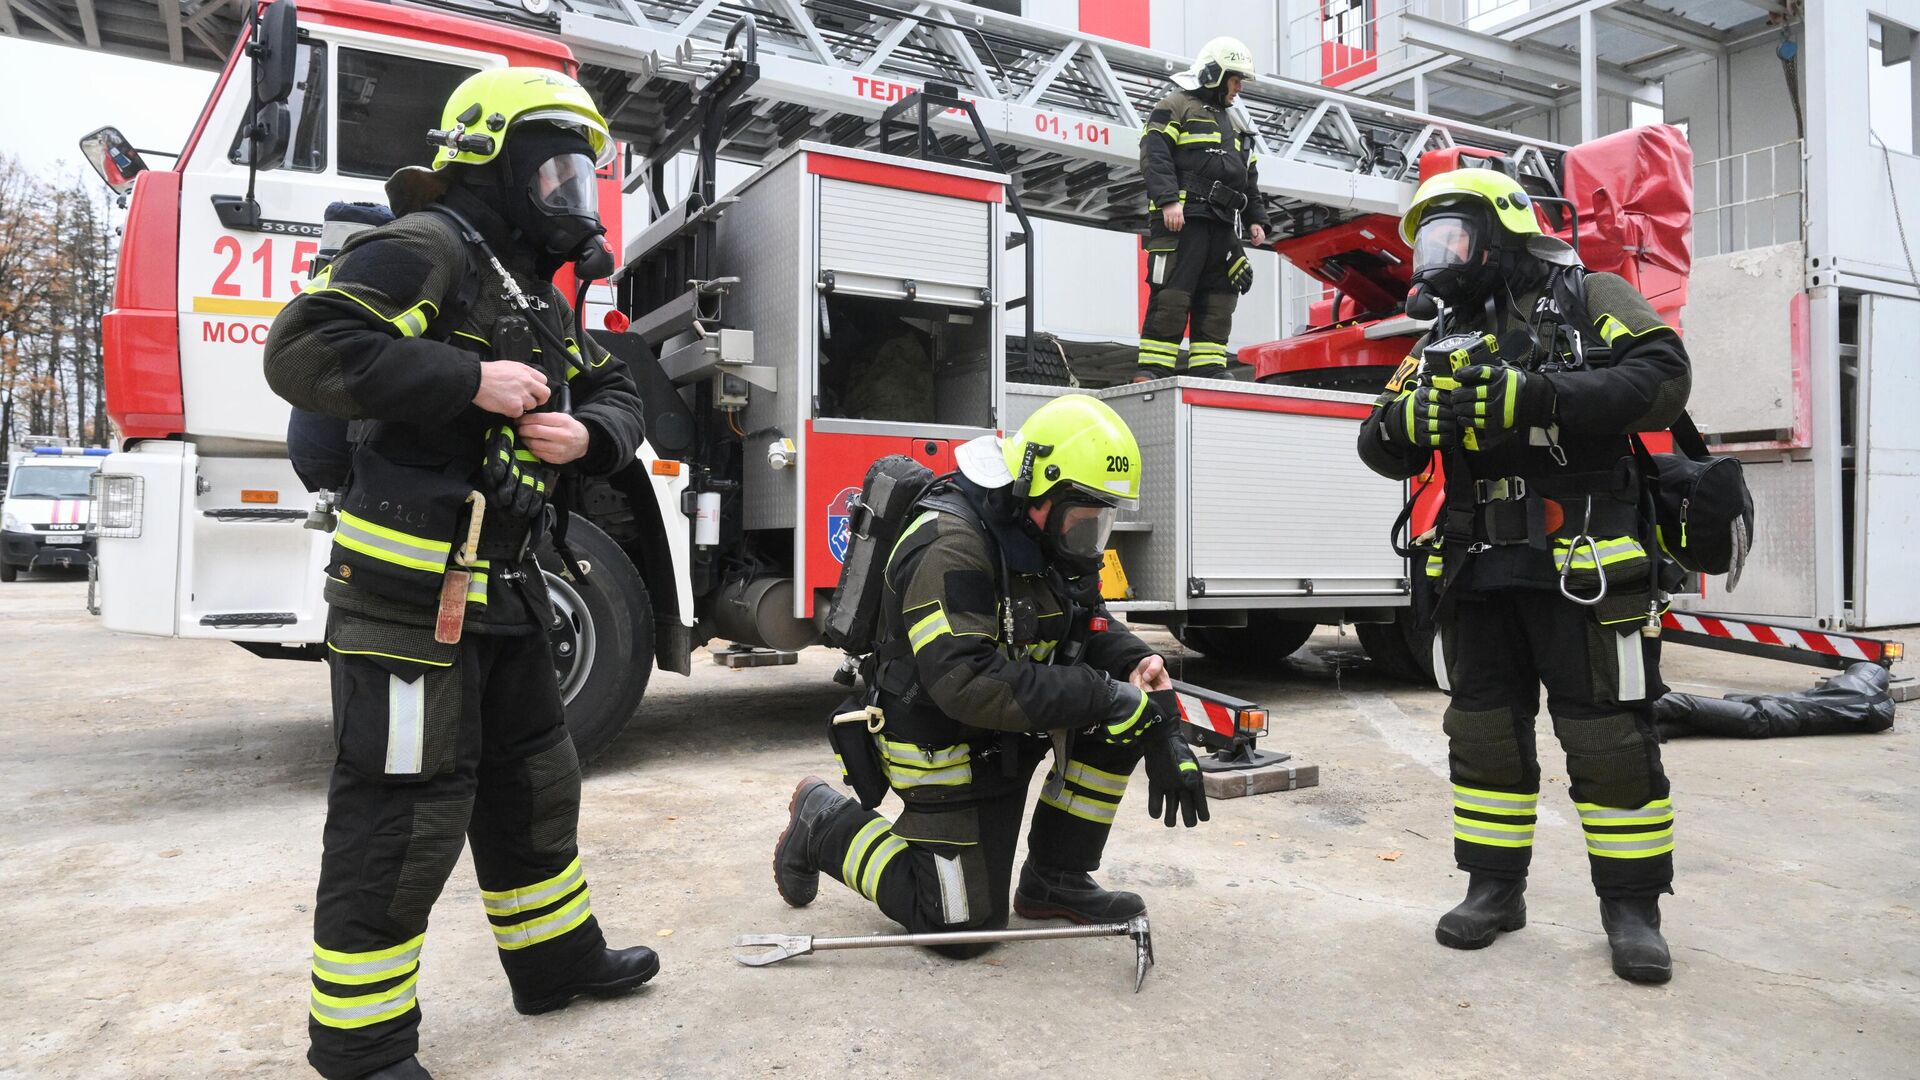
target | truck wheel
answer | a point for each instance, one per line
(602, 636)
(1264, 639)
(1400, 649)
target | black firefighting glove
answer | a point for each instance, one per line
(1239, 270)
(1498, 401)
(1128, 730)
(1421, 418)
(1173, 778)
(516, 481)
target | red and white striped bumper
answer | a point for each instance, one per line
(1820, 647)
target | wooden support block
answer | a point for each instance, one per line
(1280, 776)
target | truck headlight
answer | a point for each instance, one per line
(118, 503)
(11, 523)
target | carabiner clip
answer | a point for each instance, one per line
(1573, 549)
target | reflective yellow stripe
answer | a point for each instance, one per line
(545, 927)
(928, 628)
(1155, 359)
(863, 842)
(1613, 550)
(359, 1012)
(1083, 806)
(1523, 827)
(1098, 779)
(1657, 812)
(1495, 802)
(356, 968)
(411, 322)
(911, 765)
(1493, 841)
(390, 656)
(1193, 138)
(538, 894)
(925, 516)
(1631, 845)
(390, 545)
(889, 848)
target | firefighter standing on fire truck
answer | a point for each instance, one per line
(1540, 560)
(447, 715)
(980, 661)
(1202, 182)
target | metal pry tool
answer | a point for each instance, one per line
(786, 946)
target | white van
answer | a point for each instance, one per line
(48, 508)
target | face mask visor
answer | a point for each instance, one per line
(1081, 529)
(564, 186)
(1449, 241)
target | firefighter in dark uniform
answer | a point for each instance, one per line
(992, 642)
(1544, 563)
(1202, 182)
(447, 714)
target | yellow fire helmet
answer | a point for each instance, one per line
(1080, 442)
(490, 103)
(1509, 203)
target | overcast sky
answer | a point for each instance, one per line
(56, 94)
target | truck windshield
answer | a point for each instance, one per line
(49, 482)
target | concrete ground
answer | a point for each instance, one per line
(162, 804)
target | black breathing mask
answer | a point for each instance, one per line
(553, 197)
(1454, 255)
(1075, 537)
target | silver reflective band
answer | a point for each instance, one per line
(1440, 665)
(518, 902)
(513, 937)
(386, 1004)
(958, 774)
(1460, 826)
(1102, 782)
(426, 551)
(1658, 840)
(1521, 804)
(1632, 665)
(391, 965)
(1652, 814)
(953, 890)
(406, 724)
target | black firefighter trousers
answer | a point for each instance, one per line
(949, 866)
(1188, 295)
(435, 744)
(1495, 652)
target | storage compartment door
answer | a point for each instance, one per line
(1887, 588)
(882, 241)
(1282, 506)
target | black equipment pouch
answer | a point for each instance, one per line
(1703, 512)
(884, 507)
(853, 731)
(1225, 197)
(400, 517)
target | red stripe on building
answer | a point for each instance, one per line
(1227, 399)
(903, 177)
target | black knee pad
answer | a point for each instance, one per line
(1484, 748)
(1214, 322)
(439, 831)
(553, 792)
(1167, 314)
(1608, 760)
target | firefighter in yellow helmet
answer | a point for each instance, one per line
(1202, 187)
(1543, 567)
(995, 651)
(447, 713)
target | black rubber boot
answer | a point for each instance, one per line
(796, 867)
(410, 1069)
(1046, 893)
(1633, 933)
(610, 974)
(1492, 905)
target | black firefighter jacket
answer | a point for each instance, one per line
(1190, 144)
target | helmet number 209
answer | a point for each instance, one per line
(1119, 463)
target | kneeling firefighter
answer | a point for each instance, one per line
(1544, 562)
(995, 650)
(1202, 182)
(442, 338)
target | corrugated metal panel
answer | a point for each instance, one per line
(889, 233)
(1302, 504)
(767, 232)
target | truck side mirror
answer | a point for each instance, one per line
(265, 145)
(276, 44)
(113, 157)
